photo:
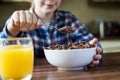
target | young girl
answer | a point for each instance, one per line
(42, 21)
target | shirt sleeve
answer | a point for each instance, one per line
(81, 33)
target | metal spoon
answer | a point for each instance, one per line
(67, 30)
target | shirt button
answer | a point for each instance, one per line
(47, 37)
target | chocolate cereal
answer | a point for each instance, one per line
(76, 45)
(67, 29)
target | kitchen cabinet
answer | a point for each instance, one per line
(15, 2)
(110, 45)
(104, 3)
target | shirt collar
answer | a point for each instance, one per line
(58, 13)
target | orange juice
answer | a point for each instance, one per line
(16, 61)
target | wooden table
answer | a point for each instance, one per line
(109, 70)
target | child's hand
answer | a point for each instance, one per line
(22, 21)
(97, 57)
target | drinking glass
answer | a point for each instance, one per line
(16, 58)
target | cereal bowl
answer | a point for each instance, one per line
(70, 59)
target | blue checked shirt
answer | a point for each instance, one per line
(48, 34)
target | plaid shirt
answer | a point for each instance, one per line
(48, 34)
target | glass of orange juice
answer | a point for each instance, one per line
(16, 58)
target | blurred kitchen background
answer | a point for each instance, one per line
(101, 17)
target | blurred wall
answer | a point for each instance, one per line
(80, 8)
(86, 13)
(7, 9)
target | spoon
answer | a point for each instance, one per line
(67, 30)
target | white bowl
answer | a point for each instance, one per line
(71, 59)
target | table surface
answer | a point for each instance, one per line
(109, 70)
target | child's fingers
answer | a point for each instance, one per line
(98, 50)
(93, 41)
(97, 57)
